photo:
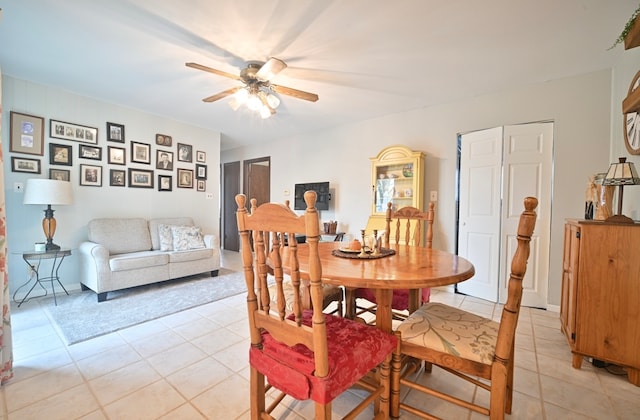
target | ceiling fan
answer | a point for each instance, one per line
(258, 91)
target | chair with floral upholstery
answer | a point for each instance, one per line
(413, 222)
(306, 354)
(466, 344)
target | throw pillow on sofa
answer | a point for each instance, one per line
(187, 237)
(166, 237)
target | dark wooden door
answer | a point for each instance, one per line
(231, 187)
(257, 179)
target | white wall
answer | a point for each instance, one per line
(579, 106)
(24, 221)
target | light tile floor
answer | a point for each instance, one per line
(193, 365)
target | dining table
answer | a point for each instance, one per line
(402, 267)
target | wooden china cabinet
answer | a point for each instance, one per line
(600, 303)
(397, 176)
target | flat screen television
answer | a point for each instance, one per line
(321, 189)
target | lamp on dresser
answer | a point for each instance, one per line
(620, 174)
(49, 192)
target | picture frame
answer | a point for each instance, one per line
(201, 171)
(19, 164)
(164, 140)
(185, 152)
(90, 152)
(75, 132)
(201, 156)
(140, 152)
(164, 160)
(90, 175)
(117, 178)
(60, 154)
(165, 182)
(185, 178)
(140, 178)
(60, 174)
(116, 155)
(115, 132)
(27, 134)
(201, 185)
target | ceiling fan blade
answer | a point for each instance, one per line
(269, 69)
(214, 71)
(222, 94)
(300, 94)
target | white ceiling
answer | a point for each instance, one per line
(364, 58)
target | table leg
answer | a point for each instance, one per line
(415, 296)
(56, 277)
(384, 314)
(350, 303)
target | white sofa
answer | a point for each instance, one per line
(127, 252)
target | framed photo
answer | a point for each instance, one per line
(201, 156)
(60, 174)
(164, 182)
(31, 166)
(115, 132)
(140, 152)
(164, 160)
(185, 152)
(91, 175)
(163, 140)
(201, 185)
(117, 178)
(27, 134)
(60, 154)
(117, 155)
(90, 152)
(140, 178)
(76, 132)
(201, 171)
(185, 178)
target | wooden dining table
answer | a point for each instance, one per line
(410, 267)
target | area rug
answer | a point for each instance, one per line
(80, 317)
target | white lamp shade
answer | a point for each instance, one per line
(48, 191)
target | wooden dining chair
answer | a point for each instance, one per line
(306, 354)
(408, 223)
(330, 293)
(466, 344)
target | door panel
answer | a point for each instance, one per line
(479, 219)
(231, 187)
(498, 169)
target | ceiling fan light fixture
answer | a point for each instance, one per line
(273, 100)
(241, 96)
(265, 112)
(253, 102)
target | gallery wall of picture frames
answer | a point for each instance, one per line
(27, 137)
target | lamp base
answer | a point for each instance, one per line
(619, 218)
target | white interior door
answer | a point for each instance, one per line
(524, 169)
(479, 219)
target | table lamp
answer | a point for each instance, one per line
(621, 173)
(49, 192)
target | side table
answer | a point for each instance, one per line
(33, 260)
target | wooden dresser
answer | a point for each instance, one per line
(600, 306)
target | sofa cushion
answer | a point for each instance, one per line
(136, 260)
(172, 221)
(120, 235)
(191, 255)
(166, 237)
(186, 238)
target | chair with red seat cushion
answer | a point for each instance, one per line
(412, 221)
(303, 352)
